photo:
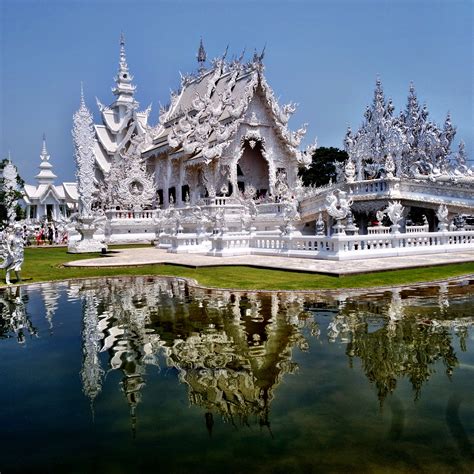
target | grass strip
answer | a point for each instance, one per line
(45, 264)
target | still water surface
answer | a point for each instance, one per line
(152, 375)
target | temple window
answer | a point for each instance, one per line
(172, 194)
(184, 192)
(160, 195)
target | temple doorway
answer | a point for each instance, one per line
(252, 169)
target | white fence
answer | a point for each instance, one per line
(343, 247)
(125, 215)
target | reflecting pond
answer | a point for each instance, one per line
(151, 374)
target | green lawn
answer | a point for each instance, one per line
(45, 264)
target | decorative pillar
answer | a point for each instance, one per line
(233, 178)
(83, 135)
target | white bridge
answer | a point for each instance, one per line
(457, 196)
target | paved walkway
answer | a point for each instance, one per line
(148, 256)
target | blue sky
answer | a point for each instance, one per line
(324, 55)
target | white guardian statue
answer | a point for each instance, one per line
(12, 252)
(394, 212)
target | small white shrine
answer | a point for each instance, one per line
(45, 200)
(219, 174)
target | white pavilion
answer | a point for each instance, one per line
(46, 200)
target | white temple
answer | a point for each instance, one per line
(219, 174)
(45, 200)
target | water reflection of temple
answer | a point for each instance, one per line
(233, 364)
(405, 334)
(230, 350)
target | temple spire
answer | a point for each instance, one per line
(123, 57)
(44, 152)
(46, 175)
(201, 56)
(124, 89)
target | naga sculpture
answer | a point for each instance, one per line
(338, 207)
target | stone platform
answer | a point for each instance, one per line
(149, 256)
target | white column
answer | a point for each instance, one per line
(166, 183)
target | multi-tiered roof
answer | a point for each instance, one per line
(65, 193)
(204, 115)
(121, 120)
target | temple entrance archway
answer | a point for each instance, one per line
(252, 169)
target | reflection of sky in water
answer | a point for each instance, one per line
(150, 372)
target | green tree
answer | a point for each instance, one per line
(323, 166)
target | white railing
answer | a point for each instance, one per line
(378, 229)
(220, 201)
(270, 208)
(131, 215)
(340, 247)
(370, 186)
(410, 229)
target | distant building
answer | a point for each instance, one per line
(45, 199)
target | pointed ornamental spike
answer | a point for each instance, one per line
(83, 104)
(123, 58)
(225, 52)
(201, 56)
(44, 151)
(255, 56)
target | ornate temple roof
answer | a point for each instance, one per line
(121, 119)
(205, 114)
(45, 187)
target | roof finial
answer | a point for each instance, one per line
(201, 56)
(124, 89)
(83, 103)
(44, 151)
(255, 55)
(123, 57)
